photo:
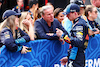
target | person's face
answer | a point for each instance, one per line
(60, 17)
(48, 15)
(17, 21)
(71, 16)
(94, 13)
(20, 3)
(97, 3)
(82, 10)
(28, 17)
(84, 1)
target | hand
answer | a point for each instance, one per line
(90, 32)
(59, 32)
(62, 40)
(24, 50)
(97, 31)
(26, 22)
(64, 60)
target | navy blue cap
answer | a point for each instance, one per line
(8, 13)
(72, 8)
(80, 3)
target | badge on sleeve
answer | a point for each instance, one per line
(6, 34)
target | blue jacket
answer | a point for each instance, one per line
(13, 44)
(42, 28)
(78, 35)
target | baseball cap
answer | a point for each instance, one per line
(80, 3)
(71, 8)
(8, 13)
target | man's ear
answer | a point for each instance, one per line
(89, 13)
(42, 16)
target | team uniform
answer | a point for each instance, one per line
(94, 24)
(17, 9)
(31, 14)
(13, 44)
(79, 32)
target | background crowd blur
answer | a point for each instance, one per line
(9, 4)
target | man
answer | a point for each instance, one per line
(45, 27)
(96, 3)
(20, 6)
(67, 23)
(77, 39)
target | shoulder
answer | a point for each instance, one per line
(82, 21)
(6, 29)
(6, 32)
(56, 21)
(39, 20)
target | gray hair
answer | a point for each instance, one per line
(43, 9)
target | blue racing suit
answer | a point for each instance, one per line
(13, 44)
(78, 34)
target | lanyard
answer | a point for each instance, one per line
(89, 25)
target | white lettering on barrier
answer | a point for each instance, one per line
(91, 63)
(57, 65)
(96, 63)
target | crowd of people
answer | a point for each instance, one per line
(74, 25)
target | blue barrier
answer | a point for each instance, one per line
(45, 53)
(92, 54)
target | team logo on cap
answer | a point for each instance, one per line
(72, 10)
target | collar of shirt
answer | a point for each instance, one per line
(92, 23)
(76, 19)
(51, 27)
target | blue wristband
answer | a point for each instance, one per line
(62, 36)
(19, 41)
(19, 48)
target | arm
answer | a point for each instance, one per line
(40, 32)
(77, 41)
(24, 37)
(30, 32)
(8, 41)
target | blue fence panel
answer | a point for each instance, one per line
(45, 53)
(93, 52)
